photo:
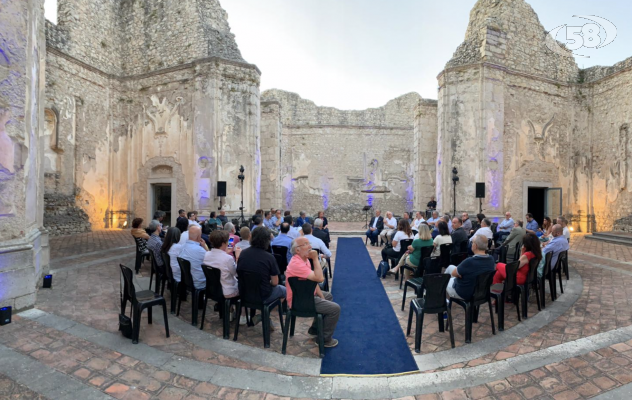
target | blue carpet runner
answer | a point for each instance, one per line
(371, 341)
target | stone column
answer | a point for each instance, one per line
(270, 155)
(23, 244)
(425, 154)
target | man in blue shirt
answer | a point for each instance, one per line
(532, 225)
(463, 281)
(507, 224)
(194, 251)
(556, 245)
(284, 240)
(267, 221)
(300, 220)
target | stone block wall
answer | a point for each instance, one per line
(271, 131)
(63, 217)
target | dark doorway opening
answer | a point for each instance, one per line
(536, 203)
(162, 201)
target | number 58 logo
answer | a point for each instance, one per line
(593, 35)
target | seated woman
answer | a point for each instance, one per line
(442, 238)
(321, 215)
(403, 232)
(173, 248)
(139, 234)
(413, 255)
(219, 258)
(530, 249)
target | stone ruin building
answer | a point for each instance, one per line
(126, 107)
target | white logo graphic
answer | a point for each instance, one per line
(592, 35)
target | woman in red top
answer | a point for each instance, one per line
(530, 249)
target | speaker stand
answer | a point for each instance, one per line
(480, 205)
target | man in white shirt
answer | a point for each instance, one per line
(315, 242)
(417, 221)
(484, 230)
(567, 233)
(294, 232)
(390, 225)
(192, 216)
(507, 224)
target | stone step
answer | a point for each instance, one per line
(621, 238)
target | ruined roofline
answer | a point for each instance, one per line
(267, 93)
(598, 73)
(188, 65)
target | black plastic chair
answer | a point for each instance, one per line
(325, 284)
(215, 292)
(481, 296)
(532, 278)
(541, 281)
(427, 265)
(502, 254)
(510, 287)
(458, 258)
(304, 306)
(280, 254)
(250, 294)
(142, 253)
(173, 285)
(433, 302)
(444, 255)
(490, 246)
(517, 250)
(562, 259)
(425, 253)
(187, 280)
(145, 299)
(403, 247)
(161, 275)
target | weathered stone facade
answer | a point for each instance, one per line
(133, 113)
(515, 115)
(23, 244)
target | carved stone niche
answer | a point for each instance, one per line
(162, 171)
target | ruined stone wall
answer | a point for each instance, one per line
(329, 156)
(425, 152)
(271, 131)
(24, 255)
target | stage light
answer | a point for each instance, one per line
(571, 229)
(5, 315)
(48, 281)
(125, 224)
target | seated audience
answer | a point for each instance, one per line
(277, 220)
(532, 225)
(219, 258)
(442, 238)
(300, 267)
(283, 239)
(321, 215)
(139, 234)
(417, 221)
(300, 220)
(182, 215)
(230, 228)
(484, 229)
(244, 243)
(556, 245)
(375, 228)
(390, 227)
(403, 232)
(320, 232)
(194, 251)
(214, 220)
(507, 224)
(477, 225)
(564, 223)
(466, 223)
(259, 260)
(315, 243)
(434, 219)
(172, 247)
(182, 224)
(258, 213)
(458, 235)
(435, 231)
(258, 222)
(192, 216)
(547, 226)
(516, 236)
(463, 281)
(222, 217)
(413, 255)
(267, 220)
(406, 216)
(155, 242)
(294, 231)
(530, 249)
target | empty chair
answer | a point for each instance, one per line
(425, 253)
(444, 256)
(145, 299)
(250, 294)
(187, 280)
(161, 275)
(214, 292)
(173, 284)
(304, 306)
(481, 296)
(432, 302)
(510, 287)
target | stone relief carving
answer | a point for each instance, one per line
(541, 137)
(162, 170)
(160, 112)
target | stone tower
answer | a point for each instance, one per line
(149, 104)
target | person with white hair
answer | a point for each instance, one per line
(463, 281)
(320, 232)
(390, 227)
(155, 242)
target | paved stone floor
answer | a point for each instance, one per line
(578, 347)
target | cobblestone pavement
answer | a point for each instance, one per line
(86, 291)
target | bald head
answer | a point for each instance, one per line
(195, 233)
(456, 223)
(557, 230)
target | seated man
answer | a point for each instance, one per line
(302, 219)
(375, 227)
(556, 245)
(434, 219)
(294, 231)
(567, 234)
(315, 242)
(267, 220)
(516, 236)
(194, 251)
(244, 242)
(532, 225)
(483, 231)
(222, 217)
(390, 227)
(155, 242)
(466, 223)
(463, 281)
(258, 222)
(283, 239)
(320, 232)
(192, 216)
(182, 215)
(277, 220)
(458, 235)
(299, 267)
(259, 260)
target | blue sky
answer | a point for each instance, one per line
(355, 54)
